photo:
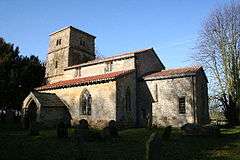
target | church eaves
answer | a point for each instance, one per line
(85, 80)
(173, 73)
(116, 57)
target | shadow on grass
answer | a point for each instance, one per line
(15, 145)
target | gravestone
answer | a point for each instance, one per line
(82, 131)
(110, 131)
(167, 133)
(112, 126)
(211, 130)
(192, 129)
(153, 147)
(62, 130)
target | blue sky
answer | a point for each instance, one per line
(170, 27)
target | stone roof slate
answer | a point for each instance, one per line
(48, 99)
(176, 72)
(85, 80)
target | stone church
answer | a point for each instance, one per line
(133, 88)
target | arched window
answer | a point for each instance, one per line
(86, 102)
(128, 99)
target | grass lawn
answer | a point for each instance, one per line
(16, 144)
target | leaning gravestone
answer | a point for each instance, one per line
(153, 147)
(167, 133)
(62, 131)
(82, 131)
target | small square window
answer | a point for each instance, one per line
(182, 105)
(108, 67)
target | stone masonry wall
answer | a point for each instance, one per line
(144, 104)
(70, 52)
(89, 46)
(126, 117)
(50, 117)
(103, 102)
(148, 63)
(145, 63)
(165, 107)
(97, 69)
(117, 65)
(57, 54)
(202, 99)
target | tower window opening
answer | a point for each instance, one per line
(83, 43)
(59, 41)
(56, 64)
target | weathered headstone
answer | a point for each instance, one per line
(112, 126)
(167, 133)
(198, 130)
(191, 129)
(153, 147)
(62, 130)
(82, 131)
(210, 130)
(110, 131)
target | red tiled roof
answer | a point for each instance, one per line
(84, 80)
(174, 72)
(119, 56)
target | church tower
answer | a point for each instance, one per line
(68, 47)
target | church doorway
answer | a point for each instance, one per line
(30, 114)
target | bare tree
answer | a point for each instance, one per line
(219, 51)
(99, 54)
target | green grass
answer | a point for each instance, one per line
(16, 144)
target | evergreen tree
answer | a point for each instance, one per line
(18, 75)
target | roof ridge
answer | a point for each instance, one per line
(111, 57)
(135, 51)
(174, 72)
(185, 67)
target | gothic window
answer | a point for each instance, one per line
(108, 67)
(128, 99)
(182, 105)
(86, 102)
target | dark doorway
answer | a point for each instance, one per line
(30, 116)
